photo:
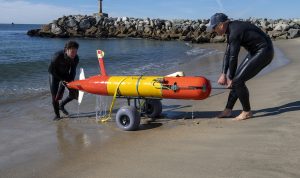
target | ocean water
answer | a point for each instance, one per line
(24, 60)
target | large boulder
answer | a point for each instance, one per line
(46, 28)
(282, 26)
(33, 32)
(277, 34)
(297, 21)
(218, 39)
(72, 32)
(84, 24)
(293, 33)
(91, 32)
(124, 19)
(55, 29)
(148, 29)
(71, 22)
(202, 39)
(168, 24)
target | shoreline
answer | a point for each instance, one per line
(189, 145)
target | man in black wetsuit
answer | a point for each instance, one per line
(62, 69)
(260, 54)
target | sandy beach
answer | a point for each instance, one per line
(187, 141)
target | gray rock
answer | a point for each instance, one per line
(140, 28)
(148, 29)
(202, 39)
(152, 23)
(119, 19)
(46, 28)
(185, 30)
(99, 19)
(92, 31)
(71, 22)
(78, 17)
(264, 24)
(140, 22)
(218, 39)
(127, 24)
(276, 34)
(205, 21)
(283, 36)
(297, 21)
(168, 24)
(124, 19)
(282, 26)
(203, 27)
(294, 25)
(147, 21)
(117, 23)
(293, 33)
(60, 22)
(84, 24)
(72, 32)
(55, 29)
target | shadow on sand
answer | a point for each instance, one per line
(171, 113)
(143, 126)
(292, 106)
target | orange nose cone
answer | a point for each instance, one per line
(94, 85)
(77, 85)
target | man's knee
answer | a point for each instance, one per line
(73, 94)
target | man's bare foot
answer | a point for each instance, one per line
(243, 116)
(225, 114)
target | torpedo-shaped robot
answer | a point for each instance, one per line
(148, 89)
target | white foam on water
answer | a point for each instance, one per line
(202, 52)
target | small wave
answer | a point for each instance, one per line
(20, 93)
(202, 52)
(188, 44)
(147, 68)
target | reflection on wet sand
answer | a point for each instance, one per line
(70, 140)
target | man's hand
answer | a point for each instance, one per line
(229, 83)
(222, 80)
(64, 83)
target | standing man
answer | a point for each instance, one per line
(260, 54)
(62, 69)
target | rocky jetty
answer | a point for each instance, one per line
(186, 30)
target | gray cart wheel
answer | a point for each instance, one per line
(153, 108)
(128, 118)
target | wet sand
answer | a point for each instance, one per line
(187, 141)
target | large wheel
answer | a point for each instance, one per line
(153, 108)
(128, 118)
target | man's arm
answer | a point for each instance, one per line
(226, 60)
(235, 46)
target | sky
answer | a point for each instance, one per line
(42, 11)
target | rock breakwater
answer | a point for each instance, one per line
(186, 30)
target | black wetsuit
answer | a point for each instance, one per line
(61, 68)
(260, 54)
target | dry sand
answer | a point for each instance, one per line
(198, 146)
